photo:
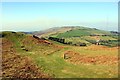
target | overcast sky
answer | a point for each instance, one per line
(32, 16)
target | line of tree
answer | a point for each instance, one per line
(57, 39)
(68, 43)
(115, 32)
(99, 35)
(114, 40)
(36, 37)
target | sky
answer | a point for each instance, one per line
(35, 16)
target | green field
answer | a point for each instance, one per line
(82, 32)
(55, 64)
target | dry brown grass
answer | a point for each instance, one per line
(100, 59)
(17, 66)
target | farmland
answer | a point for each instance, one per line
(88, 36)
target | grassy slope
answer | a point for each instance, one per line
(55, 65)
(73, 33)
(75, 40)
(29, 43)
(82, 32)
(82, 35)
(15, 65)
(54, 31)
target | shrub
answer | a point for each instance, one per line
(82, 44)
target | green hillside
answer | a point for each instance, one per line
(19, 46)
(83, 32)
(79, 35)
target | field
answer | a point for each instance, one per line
(87, 36)
(78, 32)
(51, 59)
(55, 63)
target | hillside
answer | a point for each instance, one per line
(76, 35)
(70, 31)
(15, 48)
(83, 32)
(52, 31)
(27, 56)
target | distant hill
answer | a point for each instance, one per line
(52, 31)
(76, 35)
(72, 31)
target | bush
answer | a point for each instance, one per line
(57, 39)
(69, 43)
(82, 44)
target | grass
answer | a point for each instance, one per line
(82, 35)
(107, 38)
(75, 40)
(73, 33)
(94, 50)
(99, 32)
(55, 65)
(82, 32)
